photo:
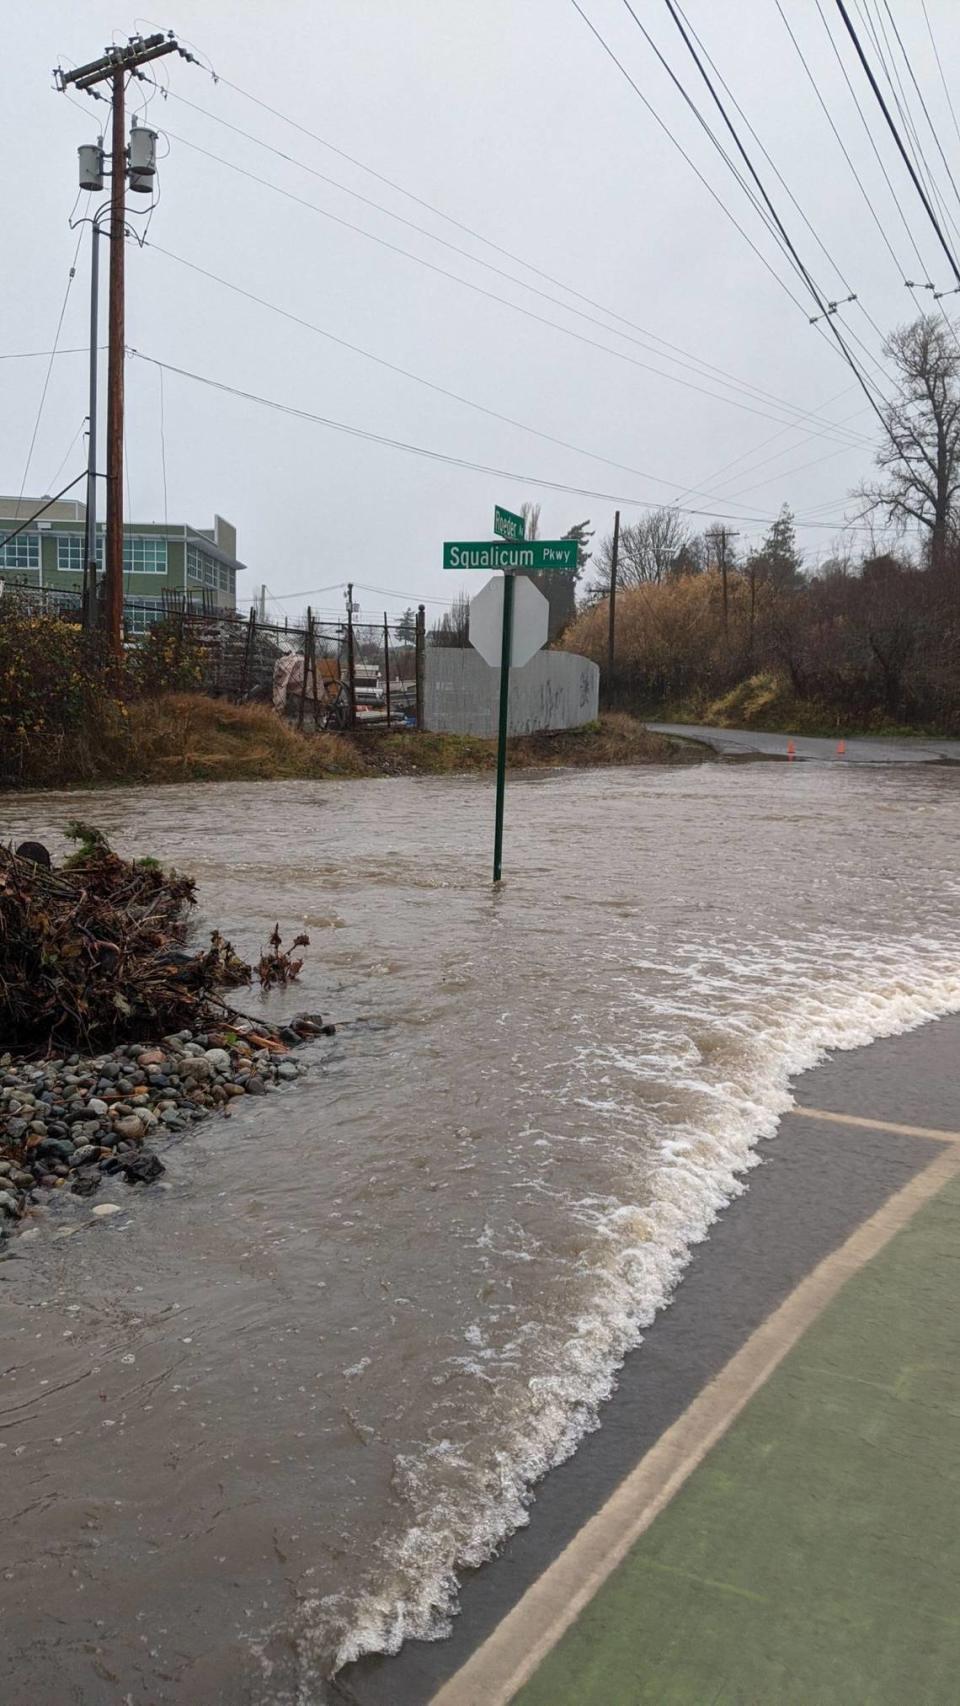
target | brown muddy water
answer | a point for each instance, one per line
(254, 1425)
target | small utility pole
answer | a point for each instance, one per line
(612, 630)
(116, 64)
(351, 660)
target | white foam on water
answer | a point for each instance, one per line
(635, 1258)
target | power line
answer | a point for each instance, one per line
(826, 310)
(918, 186)
(467, 284)
(407, 373)
(46, 378)
(29, 354)
(460, 225)
(924, 270)
(859, 181)
(923, 104)
(439, 455)
(936, 54)
(608, 50)
(683, 358)
(891, 71)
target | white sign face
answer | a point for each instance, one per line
(531, 621)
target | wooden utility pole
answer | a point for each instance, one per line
(113, 554)
(612, 631)
(386, 663)
(351, 661)
(114, 67)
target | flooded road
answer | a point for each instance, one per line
(253, 1426)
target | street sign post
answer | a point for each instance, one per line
(508, 525)
(531, 556)
(509, 618)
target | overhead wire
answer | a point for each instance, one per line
(46, 378)
(846, 154)
(468, 284)
(924, 280)
(891, 70)
(683, 358)
(943, 80)
(432, 455)
(608, 50)
(895, 133)
(826, 311)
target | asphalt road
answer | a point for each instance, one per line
(817, 1184)
(747, 743)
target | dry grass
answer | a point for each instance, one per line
(185, 737)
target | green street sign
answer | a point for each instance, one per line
(535, 556)
(508, 525)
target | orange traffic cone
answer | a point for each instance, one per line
(841, 749)
(791, 749)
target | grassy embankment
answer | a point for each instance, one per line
(186, 737)
(766, 702)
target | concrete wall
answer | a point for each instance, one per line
(555, 690)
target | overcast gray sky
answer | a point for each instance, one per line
(512, 119)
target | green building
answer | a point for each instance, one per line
(195, 564)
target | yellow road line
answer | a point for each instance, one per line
(511, 1654)
(878, 1125)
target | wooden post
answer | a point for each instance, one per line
(386, 663)
(612, 630)
(113, 552)
(420, 659)
(307, 642)
(351, 662)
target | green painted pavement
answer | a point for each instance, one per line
(814, 1557)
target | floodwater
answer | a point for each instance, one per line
(255, 1425)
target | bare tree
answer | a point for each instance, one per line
(453, 627)
(919, 457)
(649, 550)
(531, 520)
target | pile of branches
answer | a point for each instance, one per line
(92, 953)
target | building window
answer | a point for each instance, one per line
(70, 553)
(144, 555)
(141, 614)
(20, 553)
(204, 570)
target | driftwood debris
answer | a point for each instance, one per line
(92, 952)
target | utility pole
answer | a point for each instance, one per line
(351, 659)
(90, 530)
(263, 602)
(115, 65)
(612, 631)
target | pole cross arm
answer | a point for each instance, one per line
(138, 51)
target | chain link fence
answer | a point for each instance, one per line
(322, 675)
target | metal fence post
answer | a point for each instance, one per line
(351, 667)
(420, 659)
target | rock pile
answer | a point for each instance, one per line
(68, 1123)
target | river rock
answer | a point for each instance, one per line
(131, 1128)
(105, 1208)
(219, 1059)
(288, 1069)
(254, 1085)
(9, 1204)
(142, 1169)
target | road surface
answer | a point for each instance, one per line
(746, 743)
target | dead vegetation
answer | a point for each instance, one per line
(92, 952)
